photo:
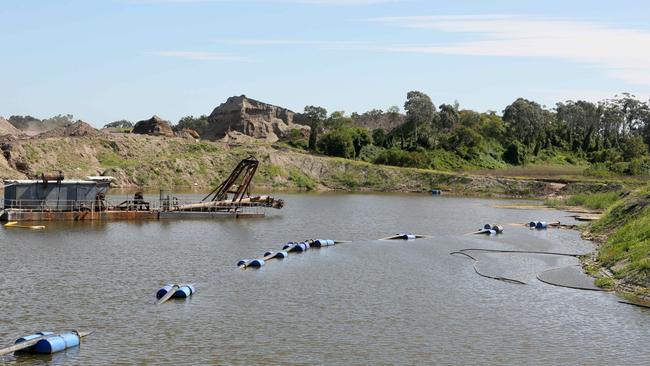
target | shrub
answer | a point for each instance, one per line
(466, 142)
(605, 155)
(515, 153)
(604, 282)
(370, 153)
(639, 166)
(598, 170)
(299, 144)
(633, 148)
(301, 180)
(397, 157)
(337, 143)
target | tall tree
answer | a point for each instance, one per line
(448, 117)
(119, 124)
(315, 115)
(419, 111)
(582, 120)
(526, 121)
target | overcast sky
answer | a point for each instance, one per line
(114, 59)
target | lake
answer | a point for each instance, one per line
(367, 301)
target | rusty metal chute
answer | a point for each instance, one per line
(238, 184)
(246, 170)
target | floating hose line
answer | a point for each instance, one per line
(499, 278)
(634, 304)
(540, 276)
(518, 251)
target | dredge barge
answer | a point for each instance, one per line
(53, 198)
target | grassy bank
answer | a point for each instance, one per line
(152, 162)
(592, 201)
(622, 260)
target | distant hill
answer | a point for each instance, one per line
(33, 126)
(252, 118)
(7, 128)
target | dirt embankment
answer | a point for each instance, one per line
(622, 259)
(170, 162)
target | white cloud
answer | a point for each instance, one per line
(198, 55)
(298, 42)
(624, 53)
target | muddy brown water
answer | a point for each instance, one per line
(368, 301)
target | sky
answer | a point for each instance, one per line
(105, 60)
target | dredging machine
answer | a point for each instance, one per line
(50, 197)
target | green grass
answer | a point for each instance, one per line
(604, 282)
(349, 180)
(112, 160)
(301, 180)
(273, 170)
(593, 201)
(627, 249)
(535, 171)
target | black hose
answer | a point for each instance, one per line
(634, 304)
(539, 277)
(517, 251)
(504, 279)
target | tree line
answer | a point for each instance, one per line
(611, 135)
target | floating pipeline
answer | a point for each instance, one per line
(490, 229)
(277, 255)
(290, 247)
(539, 225)
(322, 243)
(57, 343)
(405, 236)
(29, 338)
(180, 291)
(298, 247)
(184, 292)
(164, 290)
(256, 263)
(45, 342)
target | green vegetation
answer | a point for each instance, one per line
(121, 125)
(110, 159)
(627, 248)
(602, 140)
(29, 123)
(198, 124)
(593, 201)
(301, 180)
(605, 282)
(273, 171)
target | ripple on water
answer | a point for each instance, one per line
(369, 301)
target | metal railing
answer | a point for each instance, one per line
(46, 205)
(116, 204)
